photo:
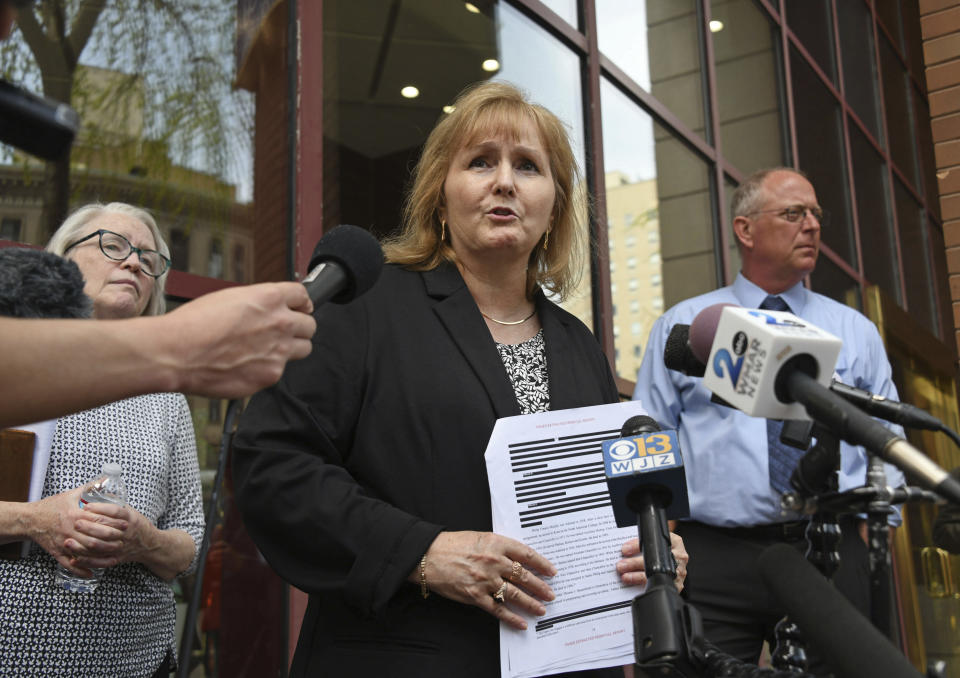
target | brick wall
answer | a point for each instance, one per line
(940, 27)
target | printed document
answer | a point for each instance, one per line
(548, 490)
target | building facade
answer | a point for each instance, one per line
(669, 105)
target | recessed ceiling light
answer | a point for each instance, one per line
(471, 7)
(490, 65)
(449, 109)
(410, 92)
(716, 26)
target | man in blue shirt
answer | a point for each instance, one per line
(734, 511)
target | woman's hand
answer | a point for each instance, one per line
(55, 521)
(631, 567)
(108, 534)
(470, 567)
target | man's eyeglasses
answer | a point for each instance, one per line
(115, 246)
(795, 213)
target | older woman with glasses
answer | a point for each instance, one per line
(126, 626)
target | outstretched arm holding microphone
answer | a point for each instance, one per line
(227, 344)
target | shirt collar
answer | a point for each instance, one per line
(750, 295)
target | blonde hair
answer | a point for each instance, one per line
(492, 108)
(72, 230)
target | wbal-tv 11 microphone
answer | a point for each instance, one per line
(645, 458)
(772, 364)
(846, 639)
(345, 263)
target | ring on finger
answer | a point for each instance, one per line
(498, 596)
(516, 571)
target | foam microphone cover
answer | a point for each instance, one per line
(357, 251)
(677, 354)
(38, 284)
(703, 329)
(834, 629)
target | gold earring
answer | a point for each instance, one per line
(443, 230)
(546, 237)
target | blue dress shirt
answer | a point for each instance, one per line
(724, 450)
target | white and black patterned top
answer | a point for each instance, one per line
(526, 365)
(124, 628)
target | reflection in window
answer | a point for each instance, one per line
(656, 43)
(874, 216)
(821, 154)
(10, 228)
(748, 91)
(215, 260)
(652, 175)
(163, 125)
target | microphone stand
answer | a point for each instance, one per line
(668, 637)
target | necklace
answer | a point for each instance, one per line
(504, 322)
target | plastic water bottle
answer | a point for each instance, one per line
(109, 487)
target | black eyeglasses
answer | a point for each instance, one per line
(115, 246)
(795, 213)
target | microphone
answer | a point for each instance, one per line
(38, 125)
(677, 354)
(39, 284)
(904, 414)
(846, 640)
(647, 486)
(772, 364)
(345, 264)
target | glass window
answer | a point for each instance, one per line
(748, 88)
(915, 252)
(651, 174)
(820, 152)
(913, 38)
(880, 265)
(888, 13)
(733, 251)
(896, 97)
(566, 9)
(373, 135)
(812, 22)
(941, 278)
(163, 126)
(928, 165)
(830, 280)
(859, 64)
(657, 44)
(10, 228)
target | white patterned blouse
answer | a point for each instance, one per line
(126, 626)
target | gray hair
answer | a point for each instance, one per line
(71, 231)
(748, 197)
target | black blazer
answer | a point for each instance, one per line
(349, 467)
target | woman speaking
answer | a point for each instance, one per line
(361, 475)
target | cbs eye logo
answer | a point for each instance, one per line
(724, 362)
(623, 449)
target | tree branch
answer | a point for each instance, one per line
(82, 27)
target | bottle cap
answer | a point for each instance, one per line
(112, 468)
